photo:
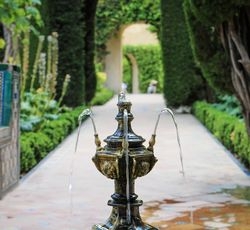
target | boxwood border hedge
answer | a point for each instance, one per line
(36, 145)
(229, 130)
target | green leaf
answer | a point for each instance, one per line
(2, 43)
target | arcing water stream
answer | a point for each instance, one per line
(177, 133)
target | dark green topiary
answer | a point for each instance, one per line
(181, 85)
(67, 20)
(88, 11)
(74, 22)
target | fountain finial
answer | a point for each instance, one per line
(122, 97)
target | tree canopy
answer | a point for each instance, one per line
(16, 17)
(112, 14)
(220, 35)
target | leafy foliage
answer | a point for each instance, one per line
(230, 130)
(219, 32)
(181, 83)
(17, 17)
(36, 145)
(37, 108)
(38, 103)
(148, 58)
(102, 94)
(207, 49)
(112, 14)
(230, 105)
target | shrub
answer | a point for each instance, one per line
(36, 145)
(182, 84)
(102, 97)
(229, 129)
(148, 58)
(102, 94)
(28, 159)
(230, 105)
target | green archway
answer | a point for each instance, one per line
(112, 18)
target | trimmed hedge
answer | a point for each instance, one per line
(182, 84)
(149, 61)
(75, 24)
(36, 145)
(102, 97)
(229, 130)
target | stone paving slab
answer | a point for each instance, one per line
(44, 200)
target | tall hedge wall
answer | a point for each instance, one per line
(181, 84)
(88, 11)
(74, 22)
(208, 51)
(149, 61)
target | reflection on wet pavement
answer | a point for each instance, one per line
(188, 214)
(239, 192)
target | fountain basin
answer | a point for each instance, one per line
(111, 165)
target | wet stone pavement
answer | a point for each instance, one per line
(184, 214)
(67, 192)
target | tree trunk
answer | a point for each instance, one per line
(235, 36)
(8, 41)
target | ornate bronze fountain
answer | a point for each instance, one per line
(123, 159)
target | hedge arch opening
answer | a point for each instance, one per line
(134, 73)
(114, 59)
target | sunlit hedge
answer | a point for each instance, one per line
(149, 61)
(230, 130)
(36, 145)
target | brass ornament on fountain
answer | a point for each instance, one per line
(123, 159)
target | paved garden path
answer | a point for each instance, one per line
(43, 200)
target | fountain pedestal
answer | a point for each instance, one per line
(124, 162)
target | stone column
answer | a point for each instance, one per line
(113, 63)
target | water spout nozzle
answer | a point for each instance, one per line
(85, 113)
(151, 143)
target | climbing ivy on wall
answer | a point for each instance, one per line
(112, 14)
